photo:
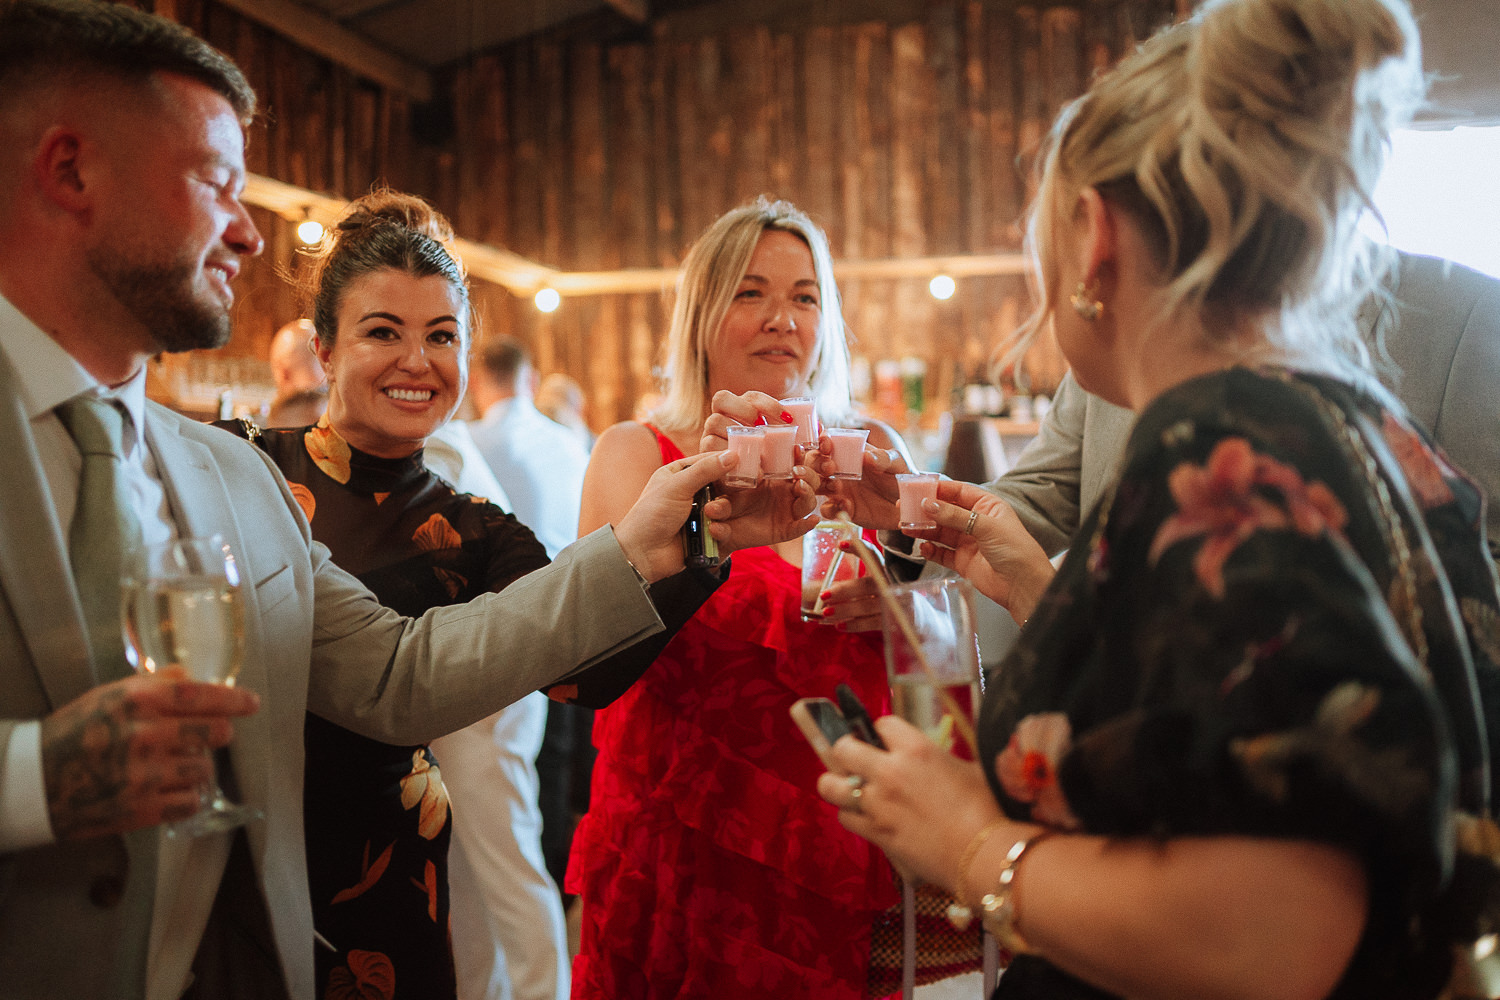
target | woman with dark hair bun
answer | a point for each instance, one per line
(390, 306)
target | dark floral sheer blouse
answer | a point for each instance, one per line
(1283, 624)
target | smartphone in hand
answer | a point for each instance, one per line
(857, 717)
(822, 723)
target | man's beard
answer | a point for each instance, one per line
(160, 297)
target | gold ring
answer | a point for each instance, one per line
(856, 781)
(973, 517)
(855, 794)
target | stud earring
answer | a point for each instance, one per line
(1084, 303)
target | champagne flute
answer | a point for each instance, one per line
(182, 608)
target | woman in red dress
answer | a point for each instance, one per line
(707, 865)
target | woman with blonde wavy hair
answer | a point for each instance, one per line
(706, 865)
(1242, 746)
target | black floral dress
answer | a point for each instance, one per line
(377, 815)
(1282, 625)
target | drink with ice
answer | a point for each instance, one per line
(929, 706)
(938, 690)
(824, 564)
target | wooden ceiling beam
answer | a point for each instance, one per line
(329, 39)
(638, 11)
(525, 277)
(492, 264)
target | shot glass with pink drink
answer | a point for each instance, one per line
(778, 455)
(804, 411)
(848, 452)
(916, 487)
(748, 443)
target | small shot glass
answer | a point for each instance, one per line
(848, 452)
(748, 443)
(916, 487)
(804, 411)
(778, 457)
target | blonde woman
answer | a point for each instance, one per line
(706, 864)
(1229, 753)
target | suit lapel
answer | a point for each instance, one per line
(34, 569)
(201, 506)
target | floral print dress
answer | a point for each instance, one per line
(377, 815)
(1282, 625)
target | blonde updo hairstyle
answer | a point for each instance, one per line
(1245, 142)
(382, 230)
(711, 274)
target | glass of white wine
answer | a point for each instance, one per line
(182, 608)
(932, 660)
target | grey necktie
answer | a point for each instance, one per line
(105, 529)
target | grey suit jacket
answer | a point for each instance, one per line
(315, 639)
(1443, 335)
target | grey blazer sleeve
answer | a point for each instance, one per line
(411, 680)
(1446, 342)
(1043, 486)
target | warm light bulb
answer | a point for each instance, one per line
(547, 300)
(942, 287)
(309, 231)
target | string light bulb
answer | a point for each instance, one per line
(547, 300)
(309, 230)
(942, 287)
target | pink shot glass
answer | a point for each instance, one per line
(916, 487)
(778, 457)
(804, 411)
(748, 443)
(848, 452)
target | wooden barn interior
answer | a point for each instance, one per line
(581, 145)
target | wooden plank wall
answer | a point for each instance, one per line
(901, 139)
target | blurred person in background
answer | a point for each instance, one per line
(301, 389)
(560, 397)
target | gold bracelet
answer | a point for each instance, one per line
(959, 915)
(1000, 906)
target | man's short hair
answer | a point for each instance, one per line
(503, 359)
(46, 40)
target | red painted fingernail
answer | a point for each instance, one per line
(787, 418)
(825, 595)
(846, 547)
(827, 612)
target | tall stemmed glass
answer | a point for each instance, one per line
(182, 608)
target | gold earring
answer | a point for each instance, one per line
(1084, 303)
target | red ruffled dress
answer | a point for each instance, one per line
(707, 864)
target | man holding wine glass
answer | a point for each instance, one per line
(120, 233)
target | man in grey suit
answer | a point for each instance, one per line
(1441, 331)
(121, 164)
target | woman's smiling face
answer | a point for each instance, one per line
(398, 366)
(768, 339)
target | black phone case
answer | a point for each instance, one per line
(857, 716)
